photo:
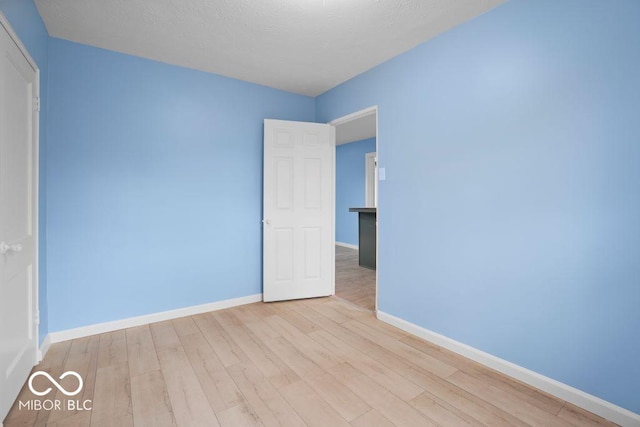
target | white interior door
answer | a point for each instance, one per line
(298, 229)
(18, 219)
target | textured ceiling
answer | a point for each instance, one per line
(301, 46)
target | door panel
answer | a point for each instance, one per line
(17, 172)
(284, 183)
(298, 208)
(284, 249)
(312, 184)
(18, 192)
(312, 252)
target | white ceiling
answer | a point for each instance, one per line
(301, 46)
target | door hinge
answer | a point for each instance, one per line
(36, 317)
(36, 104)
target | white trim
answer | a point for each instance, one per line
(347, 245)
(370, 175)
(5, 23)
(100, 328)
(377, 198)
(354, 116)
(36, 213)
(563, 391)
(44, 347)
(333, 213)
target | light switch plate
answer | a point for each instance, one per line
(382, 175)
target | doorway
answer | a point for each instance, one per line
(356, 188)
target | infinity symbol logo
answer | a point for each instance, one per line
(55, 383)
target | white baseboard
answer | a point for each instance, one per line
(563, 391)
(347, 245)
(44, 347)
(100, 328)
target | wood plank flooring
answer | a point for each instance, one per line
(354, 283)
(320, 362)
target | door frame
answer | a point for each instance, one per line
(4, 22)
(345, 119)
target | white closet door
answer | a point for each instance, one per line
(18, 219)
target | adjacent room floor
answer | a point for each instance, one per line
(354, 283)
(320, 362)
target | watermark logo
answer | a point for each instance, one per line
(55, 383)
(55, 404)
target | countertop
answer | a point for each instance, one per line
(368, 210)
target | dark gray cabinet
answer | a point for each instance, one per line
(366, 236)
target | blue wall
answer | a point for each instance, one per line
(513, 140)
(26, 22)
(154, 184)
(350, 184)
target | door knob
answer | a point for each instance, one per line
(4, 247)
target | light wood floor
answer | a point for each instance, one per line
(354, 283)
(320, 362)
